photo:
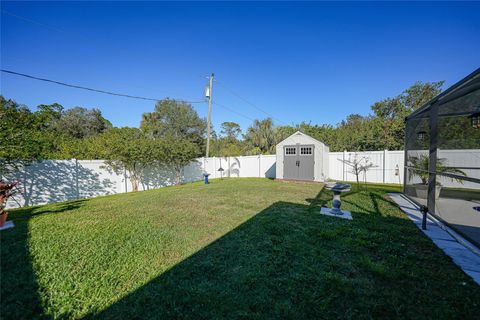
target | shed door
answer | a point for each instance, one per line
(290, 162)
(306, 162)
(298, 162)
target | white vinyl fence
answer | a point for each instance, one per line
(386, 166)
(59, 180)
(52, 181)
(241, 167)
(467, 160)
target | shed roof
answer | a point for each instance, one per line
(306, 136)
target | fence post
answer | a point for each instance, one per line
(214, 168)
(24, 196)
(229, 167)
(343, 165)
(125, 179)
(260, 166)
(77, 194)
(385, 152)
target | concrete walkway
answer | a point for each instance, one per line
(463, 254)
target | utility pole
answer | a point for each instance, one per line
(208, 95)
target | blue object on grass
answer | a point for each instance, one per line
(205, 176)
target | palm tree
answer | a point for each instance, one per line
(420, 164)
(261, 136)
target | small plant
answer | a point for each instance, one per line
(6, 191)
(420, 164)
(358, 165)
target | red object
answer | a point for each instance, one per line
(3, 218)
(6, 191)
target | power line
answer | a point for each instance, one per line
(89, 89)
(31, 20)
(233, 111)
(121, 94)
(250, 103)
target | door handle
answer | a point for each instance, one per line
(298, 163)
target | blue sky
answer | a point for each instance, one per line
(313, 62)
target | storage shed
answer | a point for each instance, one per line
(301, 157)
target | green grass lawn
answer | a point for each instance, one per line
(237, 248)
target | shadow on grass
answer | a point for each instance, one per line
(289, 262)
(285, 262)
(17, 274)
(324, 197)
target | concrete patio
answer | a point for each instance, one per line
(463, 254)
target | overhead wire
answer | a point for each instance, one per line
(232, 110)
(31, 20)
(119, 94)
(88, 88)
(248, 102)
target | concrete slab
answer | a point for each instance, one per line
(448, 209)
(436, 233)
(8, 224)
(345, 214)
(465, 256)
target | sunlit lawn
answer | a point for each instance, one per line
(239, 248)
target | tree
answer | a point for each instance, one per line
(358, 165)
(389, 108)
(131, 150)
(356, 133)
(47, 116)
(82, 123)
(230, 130)
(223, 148)
(408, 101)
(174, 119)
(27, 136)
(228, 144)
(261, 137)
(390, 113)
(20, 140)
(283, 132)
(51, 139)
(419, 94)
(125, 149)
(176, 154)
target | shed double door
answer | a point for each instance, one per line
(299, 162)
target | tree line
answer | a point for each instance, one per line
(173, 133)
(382, 129)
